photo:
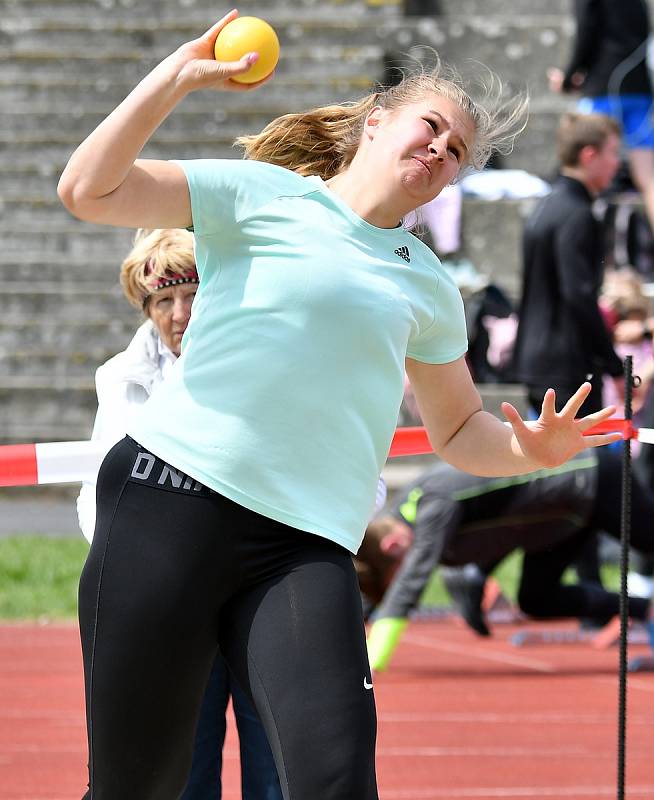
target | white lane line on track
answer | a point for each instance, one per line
(10, 669)
(42, 714)
(487, 752)
(636, 683)
(558, 718)
(7, 751)
(640, 683)
(516, 791)
(487, 655)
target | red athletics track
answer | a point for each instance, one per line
(459, 717)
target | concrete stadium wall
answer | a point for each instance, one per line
(64, 64)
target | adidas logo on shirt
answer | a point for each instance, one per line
(403, 252)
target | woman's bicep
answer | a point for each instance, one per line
(446, 397)
(154, 194)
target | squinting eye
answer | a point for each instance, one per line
(433, 125)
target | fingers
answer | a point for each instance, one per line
(548, 408)
(219, 74)
(598, 416)
(576, 401)
(513, 417)
(214, 30)
(230, 68)
(248, 87)
(601, 439)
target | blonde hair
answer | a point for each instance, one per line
(154, 255)
(324, 141)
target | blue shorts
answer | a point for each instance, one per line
(632, 111)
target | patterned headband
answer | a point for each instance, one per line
(169, 279)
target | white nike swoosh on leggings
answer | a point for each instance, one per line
(366, 685)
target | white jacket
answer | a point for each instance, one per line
(123, 383)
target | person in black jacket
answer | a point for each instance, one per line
(608, 66)
(562, 337)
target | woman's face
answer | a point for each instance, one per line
(170, 310)
(423, 145)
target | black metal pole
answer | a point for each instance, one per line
(625, 535)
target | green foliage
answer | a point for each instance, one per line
(39, 576)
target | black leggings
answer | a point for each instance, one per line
(176, 570)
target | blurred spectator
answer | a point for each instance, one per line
(159, 277)
(627, 311)
(628, 238)
(438, 222)
(608, 66)
(562, 338)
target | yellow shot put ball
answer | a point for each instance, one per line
(248, 35)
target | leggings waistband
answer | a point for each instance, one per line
(153, 471)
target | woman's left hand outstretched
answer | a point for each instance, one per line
(557, 436)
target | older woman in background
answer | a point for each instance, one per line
(159, 277)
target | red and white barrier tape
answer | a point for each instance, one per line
(50, 462)
(72, 462)
(414, 441)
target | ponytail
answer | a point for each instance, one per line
(321, 142)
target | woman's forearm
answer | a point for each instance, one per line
(486, 446)
(477, 442)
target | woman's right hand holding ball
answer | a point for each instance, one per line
(199, 69)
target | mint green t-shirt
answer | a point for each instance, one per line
(286, 395)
